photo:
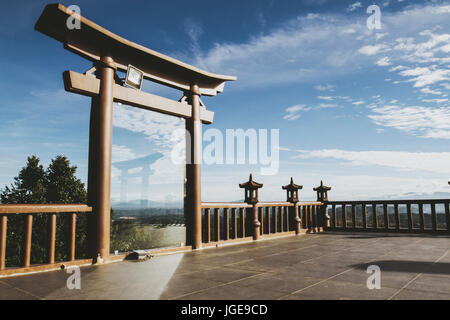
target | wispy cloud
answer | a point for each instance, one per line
(293, 112)
(383, 62)
(436, 162)
(309, 47)
(420, 121)
(326, 87)
(354, 6)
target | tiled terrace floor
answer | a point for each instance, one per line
(313, 266)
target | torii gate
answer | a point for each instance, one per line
(109, 53)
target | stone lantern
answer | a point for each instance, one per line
(292, 191)
(251, 190)
(322, 191)
(322, 196)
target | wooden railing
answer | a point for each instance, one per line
(9, 210)
(233, 221)
(423, 216)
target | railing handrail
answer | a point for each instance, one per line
(410, 201)
(43, 208)
(216, 205)
(230, 205)
(274, 204)
(309, 203)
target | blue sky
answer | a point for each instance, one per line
(365, 110)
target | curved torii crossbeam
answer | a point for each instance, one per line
(109, 53)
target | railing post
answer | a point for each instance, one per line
(243, 220)
(447, 216)
(235, 224)
(421, 217)
(27, 244)
(364, 215)
(73, 229)
(51, 251)
(227, 223)
(354, 215)
(410, 217)
(3, 228)
(344, 215)
(208, 225)
(217, 223)
(374, 216)
(333, 212)
(256, 223)
(297, 220)
(397, 217)
(433, 217)
(386, 216)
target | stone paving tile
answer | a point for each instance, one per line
(185, 284)
(340, 290)
(223, 275)
(389, 279)
(313, 266)
(431, 283)
(40, 284)
(10, 293)
(284, 282)
(234, 292)
(408, 294)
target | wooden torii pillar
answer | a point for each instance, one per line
(109, 53)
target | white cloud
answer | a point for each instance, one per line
(397, 68)
(420, 121)
(436, 162)
(383, 62)
(423, 76)
(326, 87)
(371, 50)
(435, 100)
(293, 112)
(429, 91)
(155, 126)
(357, 103)
(328, 98)
(354, 6)
(325, 106)
(122, 153)
(305, 50)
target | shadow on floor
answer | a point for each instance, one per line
(409, 266)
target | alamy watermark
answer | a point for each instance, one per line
(73, 22)
(74, 281)
(235, 147)
(374, 21)
(374, 281)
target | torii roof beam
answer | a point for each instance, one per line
(93, 41)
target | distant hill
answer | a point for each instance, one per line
(143, 204)
(416, 196)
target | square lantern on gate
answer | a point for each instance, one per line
(134, 77)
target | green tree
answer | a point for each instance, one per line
(57, 184)
(28, 186)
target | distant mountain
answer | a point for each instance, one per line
(416, 196)
(143, 204)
